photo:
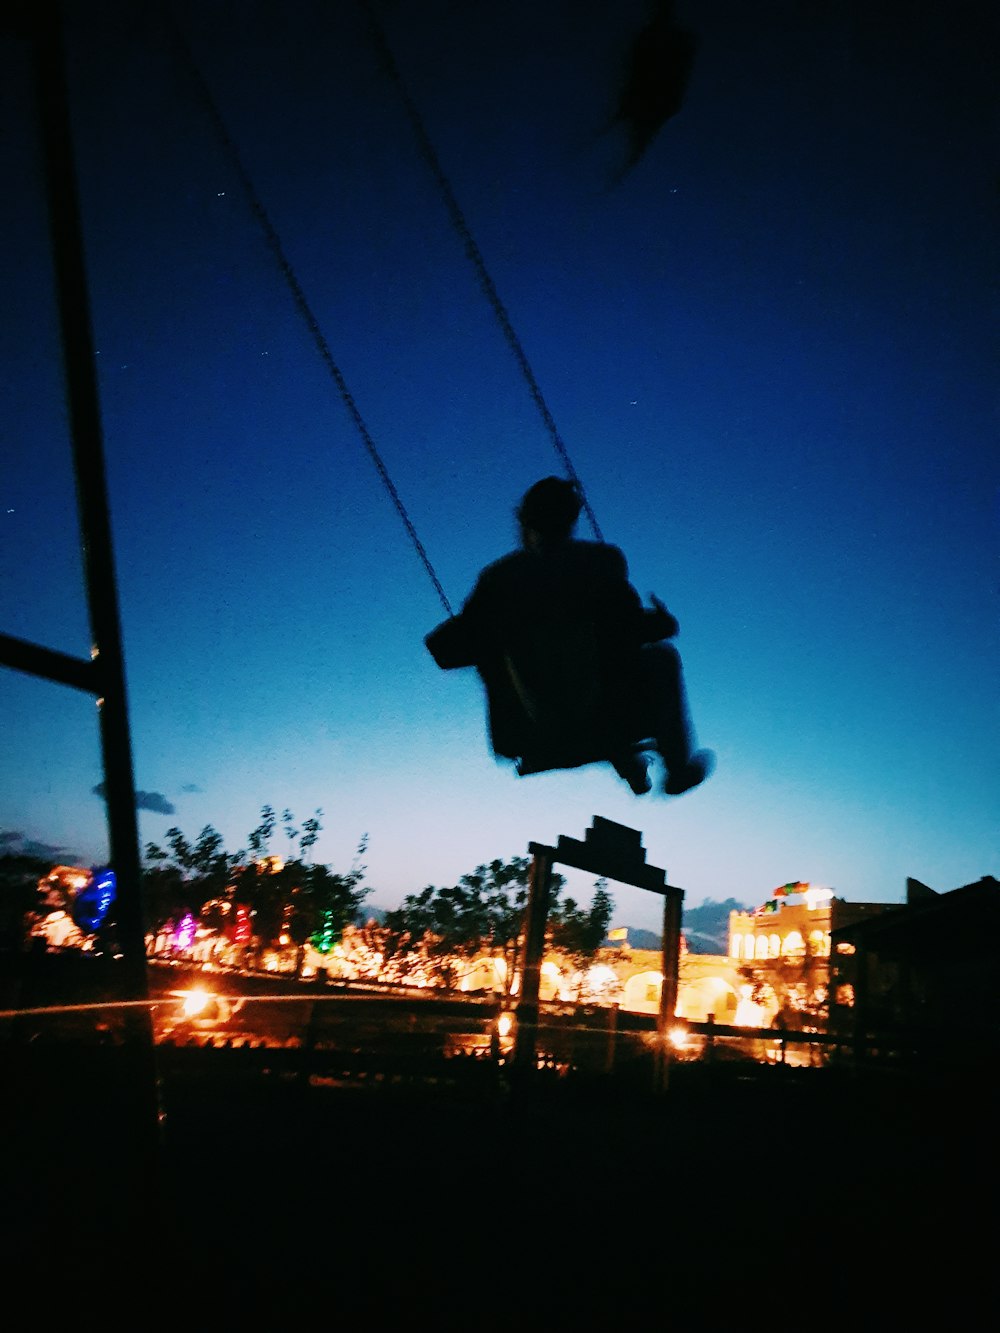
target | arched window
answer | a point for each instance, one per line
(794, 944)
(819, 943)
(775, 946)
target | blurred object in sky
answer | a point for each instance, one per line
(657, 69)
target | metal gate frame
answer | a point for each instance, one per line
(611, 851)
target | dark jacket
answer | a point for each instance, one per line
(555, 635)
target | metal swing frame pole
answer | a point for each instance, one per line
(106, 670)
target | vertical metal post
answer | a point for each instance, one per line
(526, 1032)
(860, 976)
(673, 900)
(612, 1046)
(92, 502)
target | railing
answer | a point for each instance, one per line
(72, 997)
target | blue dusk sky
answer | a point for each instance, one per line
(769, 349)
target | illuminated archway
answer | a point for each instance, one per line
(707, 995)
(819, 943)
(641, 993)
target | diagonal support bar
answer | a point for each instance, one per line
(34, 660)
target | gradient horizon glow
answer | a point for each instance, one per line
(769, 349)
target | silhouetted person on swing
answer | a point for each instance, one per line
(576, 669)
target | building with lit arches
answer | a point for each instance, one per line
(796, 921)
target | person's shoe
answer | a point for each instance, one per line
(694, 772)
(634, 768)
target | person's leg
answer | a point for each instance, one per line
(633, 766)
(661, 686)
(666, 705)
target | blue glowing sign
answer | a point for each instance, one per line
(92, 902)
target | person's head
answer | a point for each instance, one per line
(549, 509)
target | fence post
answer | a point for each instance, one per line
(526, 1033)
(673, 899)
(609, 1058)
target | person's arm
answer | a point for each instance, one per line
(648, 624)
(451, 645)
(458, 641)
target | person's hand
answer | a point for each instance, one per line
(666, 623)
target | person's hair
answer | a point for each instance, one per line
(550, 507)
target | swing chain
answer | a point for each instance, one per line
(274, 242)
(473, 252)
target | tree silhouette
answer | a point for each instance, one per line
(444, 930)
(19, 876)
(294, 900)
(578, 933)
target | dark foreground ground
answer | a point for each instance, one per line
(735, 1198)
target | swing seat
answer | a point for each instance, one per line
(630, 761)
(555, 695)
(568, 712)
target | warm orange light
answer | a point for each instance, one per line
(195, 1001)
(748, 1013)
